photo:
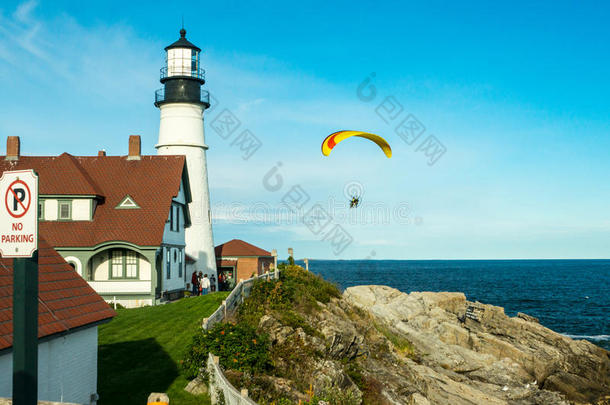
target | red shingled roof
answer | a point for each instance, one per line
(151, 181)
(65, 300)
(238, 247)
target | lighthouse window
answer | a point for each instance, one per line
(194, 62)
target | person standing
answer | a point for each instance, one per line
(195, 283)
(200, 279)
(221, 281)
(205, 284)
(212, 283)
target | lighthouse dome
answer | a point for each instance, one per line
(182, 42)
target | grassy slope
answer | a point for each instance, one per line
(140, 351)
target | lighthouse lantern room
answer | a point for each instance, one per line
(182, 75)
(182, 102)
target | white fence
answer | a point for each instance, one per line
(218, 383)
(237, 296)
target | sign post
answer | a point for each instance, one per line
(19, 240)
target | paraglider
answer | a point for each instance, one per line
(354, 202)
(333, 139)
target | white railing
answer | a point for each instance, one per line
(219, 384)
(236, 297)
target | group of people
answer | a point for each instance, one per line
(226, 282)
(202, 284)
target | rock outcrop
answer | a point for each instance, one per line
(374, 345)
(462, 352)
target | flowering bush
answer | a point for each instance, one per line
(239, 347)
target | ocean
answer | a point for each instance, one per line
(571, 297)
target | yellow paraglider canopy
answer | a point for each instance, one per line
(333, 139)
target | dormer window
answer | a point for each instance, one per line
(65, 210)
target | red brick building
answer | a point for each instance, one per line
(239, 260)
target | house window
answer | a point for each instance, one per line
(174, 218)
(124, 263)
(168, 265)
(117, 264)
(65, 210)
(131, 264)
(180, 253)
(41, 209)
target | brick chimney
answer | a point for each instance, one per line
(13, 148)
(101, 152)
(135, 148)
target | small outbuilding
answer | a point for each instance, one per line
(238, 260)
(69, 312)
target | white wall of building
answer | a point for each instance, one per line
(67, 368)
(50, 210)
(81, 210)
(181, 133)
(120, 287)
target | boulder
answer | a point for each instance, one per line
(474, 353)
(197, 386)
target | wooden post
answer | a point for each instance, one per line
(25, 330)
(224, 304)
(274, 254)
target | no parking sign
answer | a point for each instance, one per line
(18, 213)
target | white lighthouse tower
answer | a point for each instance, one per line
(182, 102)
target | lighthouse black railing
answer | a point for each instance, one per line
(182, 71)
(204, 97)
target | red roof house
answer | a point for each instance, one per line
(238, 260)
(69, 311)
(118, 220)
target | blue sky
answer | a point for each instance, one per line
(517, 94)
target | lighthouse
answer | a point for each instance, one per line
(182, 102)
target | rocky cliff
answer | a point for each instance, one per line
(382, 346)
(377, 345)
(464, 352)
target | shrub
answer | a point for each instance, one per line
(239, 347)
(296, 289)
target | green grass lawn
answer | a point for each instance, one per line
(140, 351)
